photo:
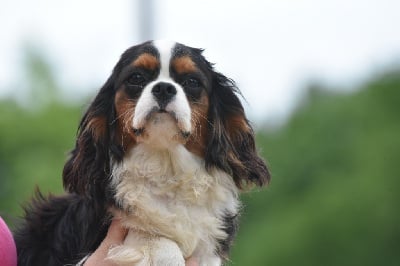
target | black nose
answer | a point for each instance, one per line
(164, 92)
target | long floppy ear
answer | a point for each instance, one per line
(232, 144)
(88, 168)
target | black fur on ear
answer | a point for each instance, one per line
(89, 167)
(98, 143)
(231, 144)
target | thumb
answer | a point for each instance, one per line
(116, 233)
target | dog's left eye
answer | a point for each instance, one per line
(191, 83)
(192, 87)
(136, 79)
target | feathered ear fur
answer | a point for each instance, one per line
(88, 169)
(98, 142)
(231, 144)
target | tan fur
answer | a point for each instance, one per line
(124, 109)
(97, 125)
(184, 64)
(198, 139)
(147, 61)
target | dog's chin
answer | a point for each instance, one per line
(161, 130)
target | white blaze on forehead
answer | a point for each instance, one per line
(164, 48)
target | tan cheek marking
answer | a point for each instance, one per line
(125, 109)
(147, 61)
(198, 140)
(184, 64)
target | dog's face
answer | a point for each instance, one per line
(164, 94)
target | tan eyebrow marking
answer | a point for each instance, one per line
(184, 64)
(147, 61)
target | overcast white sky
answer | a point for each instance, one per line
(272, 48)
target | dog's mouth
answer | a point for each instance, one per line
(163, 120)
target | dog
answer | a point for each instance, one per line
(166, 143)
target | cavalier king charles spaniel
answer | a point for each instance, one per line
(167, 145)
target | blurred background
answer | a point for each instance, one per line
(321, 81)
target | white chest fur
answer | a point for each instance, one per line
(168, 193)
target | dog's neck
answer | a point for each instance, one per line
(175, 172)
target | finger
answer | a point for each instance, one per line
(116, 232)
(192, 262)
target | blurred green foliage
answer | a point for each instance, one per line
(333, 198)
(33, 148)
(36, 133)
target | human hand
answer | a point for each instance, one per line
(115, 236)
(192, 262)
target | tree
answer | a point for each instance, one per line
(333, 199)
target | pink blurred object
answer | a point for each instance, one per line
(8, 251)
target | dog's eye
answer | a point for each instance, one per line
(191, 83)
(192, 87)
(136, 79)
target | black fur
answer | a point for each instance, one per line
(88, 169)
(230, 148)
(231, 225)
(60, 230)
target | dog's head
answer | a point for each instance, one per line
(164, 94)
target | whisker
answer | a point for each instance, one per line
(201, 115)
(131, 104)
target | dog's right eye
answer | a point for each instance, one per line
(136, 79)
